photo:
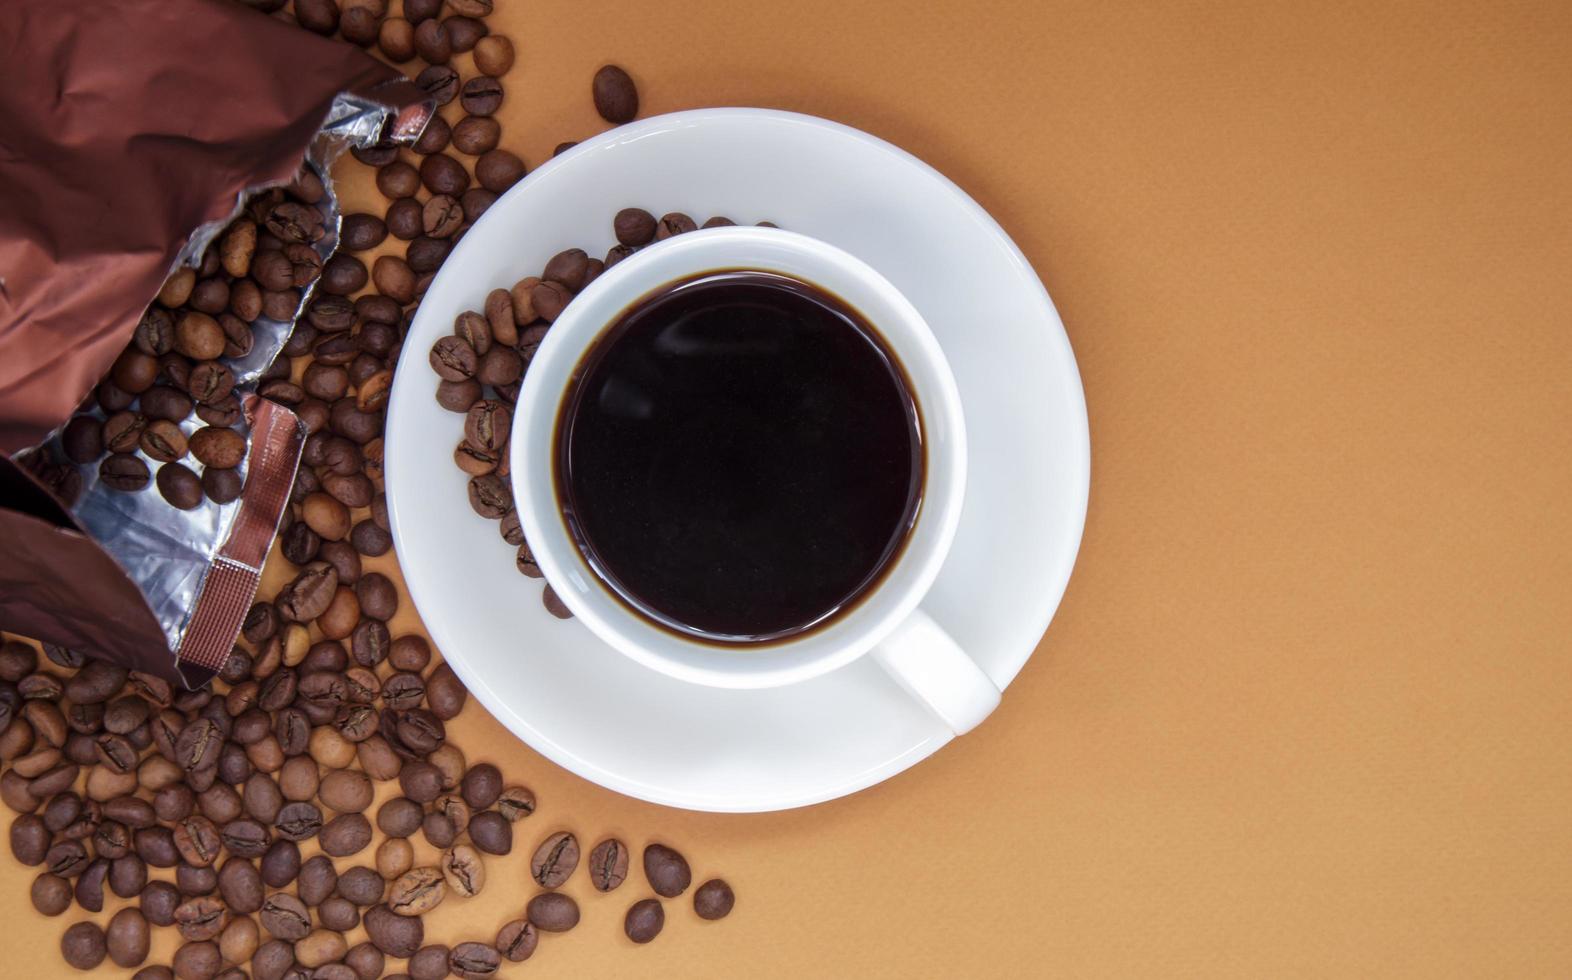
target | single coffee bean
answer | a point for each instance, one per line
(394, 279)
(493, 55)
(395, 855)
(554, 860)
(608, 864)
(714, 899)
(376, 756)
(83, 440)
(280, 863)
(122, 431)
(552, 912)
(310, 593)
(343, 274)
(245, 838)
(443, 175)
(515, 803)
(417, 892)
(429, 963)
(222, 412)
(123, 472)
(369, 539)
(360, 232)
(245, 302)
(134, 371)
(273, 960)
(496, 170)
(666, 870)
(432, 43)
(491, 832)
(197, 841)
(399, 817)
(155, 332)
(549, 299)
(359, 25)
(178, 485)
(452, 358)
(448, 759)
(347, 420)
(216, 446)
(396, 38)
(111, 840)
(718, 222)
(438, 830)
(285, 917)
(568, 267)
(644, 920)
(240, 885)
(222, 486)
(345, 834)
(463, 870)
(475, 135)
(201, 918)
(675, 223)
(338, 914)
(474, 961)
(398, 179)
(317, 880)
(366, 960)
(210, 296)
(163, 441)
(30, 837)
(51, 894)
(405, 219)
(361, 886)
(434, 139)
(156, 846)
(516, 940)
(158, 903)
(616, 98)
(83, 945)
(113, 398)
(490, 496)
(127, 876)
(239, 940)
(481, 96)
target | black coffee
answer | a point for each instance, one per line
(739, 457)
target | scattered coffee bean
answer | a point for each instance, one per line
(714, 899)
(491, 832)
(516, 940)
(429, 963)
(480, 96)
(616, 98)
(474, 961)
(554, 860)
(644, 920)
(395, 935)
(493, 55)
(496, 170)
(608, 864)
(666, 870)
(83, 945)
(552, 912)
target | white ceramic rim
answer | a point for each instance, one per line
(901, 587)
(1034, 622)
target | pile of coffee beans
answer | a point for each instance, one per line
(198, 810)
(482, 363)
(167, 413)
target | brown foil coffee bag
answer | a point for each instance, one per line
(131, 131)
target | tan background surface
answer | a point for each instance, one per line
(1305, 709)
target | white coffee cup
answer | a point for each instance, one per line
(888, 622)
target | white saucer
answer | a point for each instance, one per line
(599, 714)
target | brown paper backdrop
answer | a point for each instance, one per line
(1305, 709)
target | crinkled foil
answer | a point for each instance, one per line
(167, 551)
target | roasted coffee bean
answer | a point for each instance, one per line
(198, 336)
(490, 496)
(343, 274)
(222, 486)
(338, 914)
(458, 396)
(96, 682)
(441, 217)
(127, 875)
(515, 803)
(369, 539)
(445, 693)
(675, 223)
(516, 940)
(359, 25)
(549, 299)
(155, 332)
(426, 254)
(245, 838)
(156, 846)
(358, 233)
(325, 381)
(405, 219)
(30, 835)
(262, 622)
(666, 870)
(398, 179)
(128, 811)
(474, 961)
(245, 302)
(197, 841)
(134, 371)
(335, 349)
(420, 730)
(160, 402)
(211, 382)
(351, 490)
(616, 98)
(202, 961)
(493, 55)
(210, 296)
(365, 960)
(300, 544)
(351, 423)
(285, 917)
(240, 885)
(298, 821)
(481, 96)
(122, 431)
(718, 222)
(345, 834)
(83, 945)
(201, 918)
(219, 803)
(475, 462)
(477, 201)
(394, 279)
(223, 411)
(122, 715)
(346, 791)
(111, 840)
(309, 594)
(280, 863)
(162, 441)
(89, 890)
(403, 691)
(113, 398)
(552, 912)
(554, 860)
(83, 438)
(13, 790)
(361, 886)
(420, 781)
(432, 42)
(223, 448)
(429, 963)
(644, 920)
(491, 832)
(434, 139)
(448, 759)
(438, 831)
(496, 170)
(714, 899)
(283, 392)
(475, 135)
(417, 892)
(399, 817)
(568, 267)
(116, 753)
(123, 472)
(158, 902)
(452, 358)
(608, 864)
(356, 723)
(463, 870)
(239, 940)
(173, 802)
(53, 780)
(273, 960)
(179, 486)
(51, 894)
(376, 756)
(443, 175)
(316, 880)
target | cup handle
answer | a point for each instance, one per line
(933, 669)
